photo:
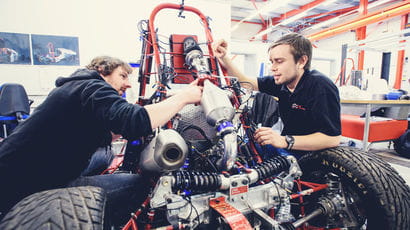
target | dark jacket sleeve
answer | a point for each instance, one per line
(114, 112)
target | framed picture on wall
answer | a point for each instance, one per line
(54, 50)
(14, 48)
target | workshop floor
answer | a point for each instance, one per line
(401, 164)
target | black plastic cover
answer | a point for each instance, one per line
(13, 99)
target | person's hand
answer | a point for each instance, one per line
(267, 136)
(192, 93)
(220, 48)
(115, 136)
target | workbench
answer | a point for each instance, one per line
(400, 125)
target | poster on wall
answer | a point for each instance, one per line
(14, 48)
(54, 50)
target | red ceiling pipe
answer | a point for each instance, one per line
(386, 13)
(249, 22)
(400, 57)
(260, 16)
(325, 18)
(301, 9)
(334, 13)
(361, 33)
(264, 24)
(338, 12)
(295, 12)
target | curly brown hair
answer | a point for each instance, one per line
(105, 65)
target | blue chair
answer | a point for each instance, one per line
(14, 107)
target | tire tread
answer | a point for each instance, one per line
(67, 208)
(384, 184)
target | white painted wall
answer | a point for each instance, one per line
(104, 27)
(107, 27)
(245, 31)
(255, 53)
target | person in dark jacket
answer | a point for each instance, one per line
(309, 103)
(53, 146)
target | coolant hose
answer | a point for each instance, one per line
(226, 130)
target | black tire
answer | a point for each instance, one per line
(67, 208)
(402, 145)
(380, 196)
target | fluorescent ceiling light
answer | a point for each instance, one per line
(284, 22)
(294, 18)
(335, 19)
(326, 23)
(377, 3)
(271, 6)
(382, 39)
(326, 3)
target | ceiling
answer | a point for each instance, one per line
(302, 16)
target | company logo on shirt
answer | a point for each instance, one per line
(298, 107)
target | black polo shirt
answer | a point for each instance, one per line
(314, 106)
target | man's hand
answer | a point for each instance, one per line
(220, 48)
(163, 111)
(267, 136)
(192, 93)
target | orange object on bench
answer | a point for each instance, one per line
(353, 127)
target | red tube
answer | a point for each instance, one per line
(177, 7)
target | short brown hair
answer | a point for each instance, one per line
(105, 65)
(299, 46)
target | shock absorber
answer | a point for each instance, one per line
(205, 181)
(197, 181)
(271, 167)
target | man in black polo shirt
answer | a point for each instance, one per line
(309, 102)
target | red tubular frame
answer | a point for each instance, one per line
(152, 50)
(153, 34)
(131, 224)
(313, 187)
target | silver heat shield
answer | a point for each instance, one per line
(193, 127)
(167, 151)
(192, 117)
(216, 104)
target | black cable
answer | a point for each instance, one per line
(207, 159)
(196, 211)
(181, 9)
(190, 211)
(252, 86)
(201, 131)
(140, 26)
(232, 87)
